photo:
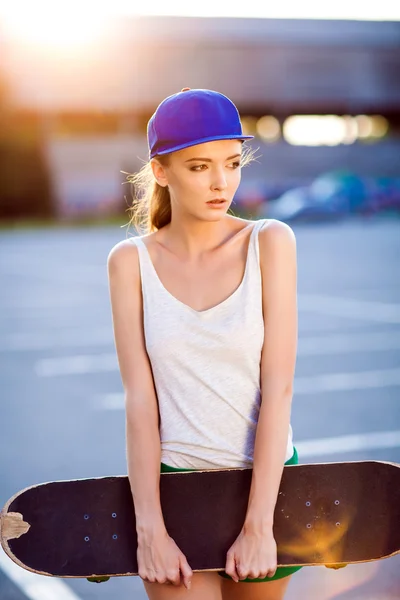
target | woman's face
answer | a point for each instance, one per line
(199, 174)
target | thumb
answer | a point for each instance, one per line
(230, 567)
(186, 571)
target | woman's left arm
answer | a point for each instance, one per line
(278, 360)
(254, 552)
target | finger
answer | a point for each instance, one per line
(174, 576)
(271, 572)
(151, 576)
(146, 576)
(186, 571)
(242, 571)
(230, 567)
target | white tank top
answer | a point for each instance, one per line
(206, 368)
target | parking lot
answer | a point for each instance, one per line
(62, 406)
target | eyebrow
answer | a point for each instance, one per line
(209, 159)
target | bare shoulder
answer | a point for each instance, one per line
(277, 243)
(277, 232)
(123, 258)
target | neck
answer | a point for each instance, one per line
(191, 237)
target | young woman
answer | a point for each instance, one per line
(205, 322)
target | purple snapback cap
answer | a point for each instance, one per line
(190, 117)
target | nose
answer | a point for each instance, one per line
(219, 180)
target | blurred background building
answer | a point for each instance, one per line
(322, 98)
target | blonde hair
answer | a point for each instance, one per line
(151, 205)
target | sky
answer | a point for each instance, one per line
(306, 9)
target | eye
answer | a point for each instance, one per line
(199, 168)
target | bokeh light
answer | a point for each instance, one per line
(331, 130)
(249, 125)
(268, 128)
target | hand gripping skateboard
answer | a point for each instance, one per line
(326, 514)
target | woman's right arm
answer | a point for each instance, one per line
(142, 420)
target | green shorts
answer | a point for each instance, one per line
(280, 571)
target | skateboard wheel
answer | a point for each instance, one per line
(97, 579)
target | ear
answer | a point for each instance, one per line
(159, 172)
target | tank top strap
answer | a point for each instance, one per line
(148, 274)
(254, 249)
(142, 250)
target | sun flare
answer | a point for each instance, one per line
(50, 28)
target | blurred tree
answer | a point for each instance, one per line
(25, 189)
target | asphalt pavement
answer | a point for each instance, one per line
(61, 406)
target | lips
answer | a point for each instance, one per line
(217, 201)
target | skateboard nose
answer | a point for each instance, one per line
(13, 526)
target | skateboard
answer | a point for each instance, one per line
(327, 514)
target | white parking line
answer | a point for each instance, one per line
(335, 382)
(76, 365)
(79, 364)
(375, 341)
(114, 401)
(34, 586)
(379, 312)
(40, 272)
(66, 338)
(348, 443)
(98, 363)
(306, 448)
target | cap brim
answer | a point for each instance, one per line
(202, 141)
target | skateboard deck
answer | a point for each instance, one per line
(327, 514)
